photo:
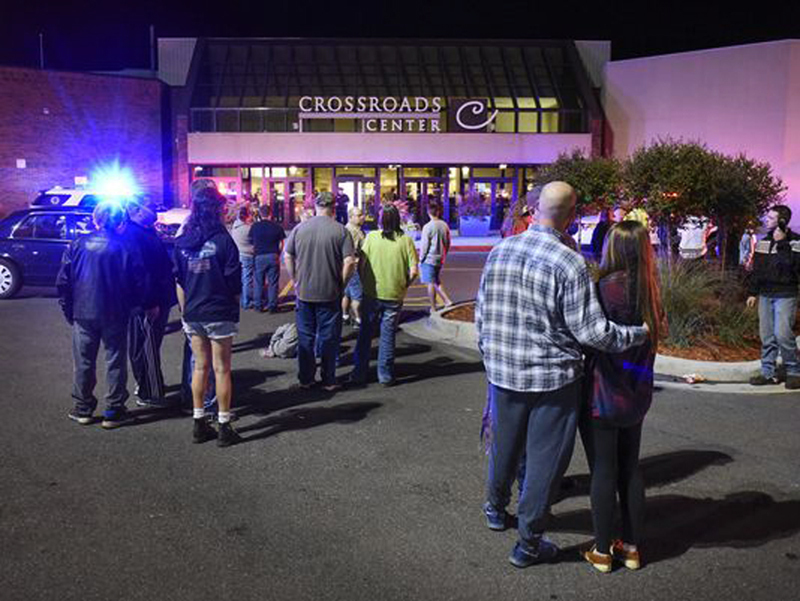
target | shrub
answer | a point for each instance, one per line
(473, 205)
(699, 302)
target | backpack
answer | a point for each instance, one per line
(283, 343)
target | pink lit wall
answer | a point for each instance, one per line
(738, 99)
(354, 149)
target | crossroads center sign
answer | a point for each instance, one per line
(399, 115)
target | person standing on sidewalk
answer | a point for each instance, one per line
(773, 284)
(320, 259)
(536, 308)
(388, 265)
(240, 232)
(351, 300)
(100, 282)
(209, 281)
(618, 392)
(267, 237)
(435, 246)
(147, 325)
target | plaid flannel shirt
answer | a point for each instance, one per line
(536, 307)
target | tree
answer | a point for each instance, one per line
(671, 180)
(597, 180)
(744, 190)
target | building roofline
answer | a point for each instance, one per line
(707, 50)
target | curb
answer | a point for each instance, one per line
(729, 378)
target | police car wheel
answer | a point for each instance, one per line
(10, 279)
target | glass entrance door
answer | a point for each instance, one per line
(500, 193)
(419, 194)
(361, 192)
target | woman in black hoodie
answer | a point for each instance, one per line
(209, 282)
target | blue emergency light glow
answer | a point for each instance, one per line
(114, 182)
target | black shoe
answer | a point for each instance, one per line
(762, 380)
(203, 431)
(117, 420)
(389, 383)
(227, 435)
(792, 382)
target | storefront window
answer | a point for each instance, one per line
(389, 183)
(504, 122)
(363, 171)
(323, 179)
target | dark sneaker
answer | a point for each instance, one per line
(203, 431)
(762, 380)
(117, 420)
(389, 383)
(227, 435)
(496, 519)
(346, 320)
(84, 419)
(792, 382)
(525, 556)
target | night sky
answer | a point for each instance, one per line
(98, 35)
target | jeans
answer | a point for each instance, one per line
(374, 312)
(542, 424)
(775, 320)
(86, 338)
(268, 268)
(248, 264)
(318, 324)
(210, 398)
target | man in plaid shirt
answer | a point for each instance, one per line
(537, 306)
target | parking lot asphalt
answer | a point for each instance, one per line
(366, 494)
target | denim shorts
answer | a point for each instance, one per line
(353, 289)
(429, 274)
(214, 330)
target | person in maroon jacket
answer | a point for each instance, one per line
(618, 393)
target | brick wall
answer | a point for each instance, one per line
(66, 124)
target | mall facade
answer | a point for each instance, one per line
(278, 120)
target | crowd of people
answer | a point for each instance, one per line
(118, 285)
(563, 351)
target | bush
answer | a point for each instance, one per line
(687, 290)
(699, 302)
(473, 205)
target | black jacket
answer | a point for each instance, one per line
(159, 289)
(101, 278)
(207, 267)
(776, 266)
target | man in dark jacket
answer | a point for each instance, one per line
(98, 285)
(776, 274)
(147, 323)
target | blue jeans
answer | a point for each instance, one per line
(268, 267)
(374, 312)
(86, 338)
(775, 321)
(318, 324)
(248, 263)
(542, 424)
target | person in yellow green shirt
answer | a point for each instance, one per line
(387, 266)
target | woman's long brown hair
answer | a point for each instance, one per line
(627, 248)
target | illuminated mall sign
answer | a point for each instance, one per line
(398, 115)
